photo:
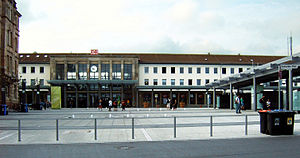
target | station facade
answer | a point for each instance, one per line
(80, 80)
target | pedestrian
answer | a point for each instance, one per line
(242, 103)
(268, 104)
(238, 104)
(174, 106)
(115, 105)
(123, 104)
(263, 102)
(109, 105)
(168, 103)
(100, 104)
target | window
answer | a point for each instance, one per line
(172, 70)
(198, 82)
(181, 82)
(42, 82)
(181, 70)
(60, 70)
(32, 70)
(198, 70)
(190, 82)
(116, 72)
(232, 70)
(32, 82)
(24, 69)
(127, 71)
(155, 70)
(173, 82)
(240, 70)
(82, 71)
(146, 70)
(94, 74)
(105, 71)
(190, 70)
(248, 68)
(42, 70)
(206, 81)
(207, 70)
(71, 72)
(164, 82)
(215, 70)
(164, 70)
(155, 82)
(24, 80)
(146, 82)
(223, 70)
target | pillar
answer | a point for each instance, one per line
(65, 95)
(152, 101)
(189, 101)
(76, 95)
(214, 97)
(290, 90)
(231, 97)
(254, 97)
(88, 95)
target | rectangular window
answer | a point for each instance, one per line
(223, 70)
(173, 82)
(155, 70)
(155, 82)
(42, 82)
(105, 71)
(190, 70)
(232, 70)
(82, 71)
(190, 82)
(207, 70)
(146, 70)
(94, 74)
(32, 82)
(198, 82)
(206, 81)
(24, 80)
(164, 70)
(146, 82)
(42, 70)
(240, 70)
(32, 70)
(116, 72)
(24, 69)
(181, 82)
(198, 70)
(71, 72)
(164, 82)
(181, 70)
(60, 71)
(172, 70)
(215, 70)
(127, 71)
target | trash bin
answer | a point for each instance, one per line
(280, 122)
(3, 109)
(263, 121)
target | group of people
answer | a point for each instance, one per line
(265, 103)
(239, 104)
(172, 104)
(113, 104)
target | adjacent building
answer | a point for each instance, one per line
(9, 57)
(80, 80)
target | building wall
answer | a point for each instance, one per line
(37, 75)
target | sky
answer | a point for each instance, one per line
(247, 27)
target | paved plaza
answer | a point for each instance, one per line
(78, 125)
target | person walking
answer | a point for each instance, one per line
(168, 103)
(242, 104)
(100, 104)
(238, 104)
(109, 105)
(123, 104)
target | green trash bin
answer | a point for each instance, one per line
(280, 122)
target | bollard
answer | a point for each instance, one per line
(19, 130)
(211, 126)
(132, 128)
(174, 127)
(57, 136)
(246, 125)
(95, 129)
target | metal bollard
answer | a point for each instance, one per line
(211, 126)
(57, 136)
(95, 129)
(246, 125)
(174, 127)
(19, 130)
(132, 128)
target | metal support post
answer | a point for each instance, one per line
(57, 136)
(211, 126)
(19, 130)
(290, 90)
(246, 125)
(95, 129)
(231, 97)
(132, 128)
(174, 127)
(214, 98)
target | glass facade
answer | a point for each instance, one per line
(94, 73)
(82, 69)
(105, 71)
(71, 72)
(60, 71)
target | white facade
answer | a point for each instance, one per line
(41, 73)
(202, 76)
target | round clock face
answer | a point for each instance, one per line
(94, 68)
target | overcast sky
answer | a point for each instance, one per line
(254, 27)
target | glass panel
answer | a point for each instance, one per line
(60, 70)
(82, 71)
(105, 71)
(127, 71)
(71, 72)
(116, 72)
(94, 73)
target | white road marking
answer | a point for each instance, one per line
(7, 136)
(146, 135)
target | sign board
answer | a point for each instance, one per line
(290, 121)
(94, 51)
(55, 97)
(289, 67)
